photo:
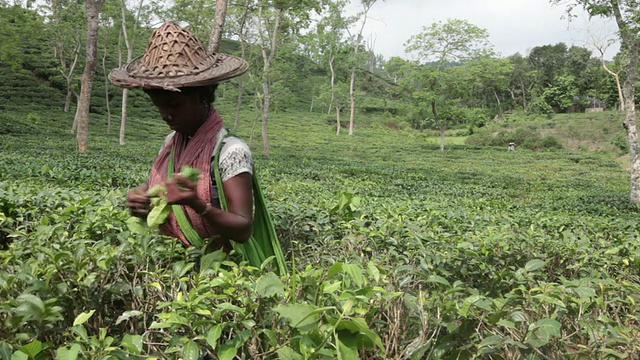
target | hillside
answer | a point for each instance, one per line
(395, 249)
(392, 230)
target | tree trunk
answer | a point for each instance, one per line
(129, 44)
(123, 118)
(82, 112)
(218, 26)
(632, 40)
(615, 76)
(106, 85)
(333, 83)
(266, 75)
(69, 77)
(499, 103)
(338, 120)
(352, 98)
(243, 46)
(524, 94)
(631, 120)
(266, 102)
(356, 47)
(441, 127)
(67, 102)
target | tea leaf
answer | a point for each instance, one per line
(546, 329)
(83, 317)
(345, 352)
(127, 315)
(190, 173)
(212, 260)
(19, 355)
(227, 352)
(65, 353)
(5, 352)
(133, 343)
(269, 285)
(491, 341)
(300, 316)
(438, 280)
(137, 226)
(615, 353)
(32, 349)
(355, 272)
(287, 353)
(213, 335)
(534, 265)
(156, 191)
(158, 214)
(191, 351)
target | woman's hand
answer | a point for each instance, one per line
(138, 201)
(182, 191)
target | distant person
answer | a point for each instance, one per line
(180, 78)
(512, 147)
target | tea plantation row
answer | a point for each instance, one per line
(396, 251)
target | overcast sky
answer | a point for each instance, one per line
(513, 25)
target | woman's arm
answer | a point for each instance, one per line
(234, 224)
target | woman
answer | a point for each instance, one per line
(181, 79)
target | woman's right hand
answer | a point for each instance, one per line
(138, 201)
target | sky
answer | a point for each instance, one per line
(513, 25)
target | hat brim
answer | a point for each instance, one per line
(225, 67)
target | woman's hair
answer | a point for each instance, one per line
(208, 92)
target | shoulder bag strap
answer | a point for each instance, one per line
(185, 225)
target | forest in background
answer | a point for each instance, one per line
(317, 51)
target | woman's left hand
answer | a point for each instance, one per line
(182, 191)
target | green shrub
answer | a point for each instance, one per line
(539, 106)
(550, 142)
(523, 138)
(620, 141)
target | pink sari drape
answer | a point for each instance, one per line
(195, 152)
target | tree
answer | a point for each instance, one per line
(548, 61)
(199, 14)
(282, 17)
(82, 112)
(611, 70)
(437, 47)
(66, 18)
(268, 46)
(626, 14)
(488, 83)
(521, 79)
(327, 44)
(356, 41)
(239, 26)
(218, 26)
(129, 40)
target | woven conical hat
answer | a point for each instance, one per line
(175, 59)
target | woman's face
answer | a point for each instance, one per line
(184, 113)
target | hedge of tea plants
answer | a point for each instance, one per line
(396, 250)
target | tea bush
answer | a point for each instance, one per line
(395, 252)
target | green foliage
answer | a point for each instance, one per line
(397, 250)
(540, 106)
(620, 141)
(522, 137)
(470, 253)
